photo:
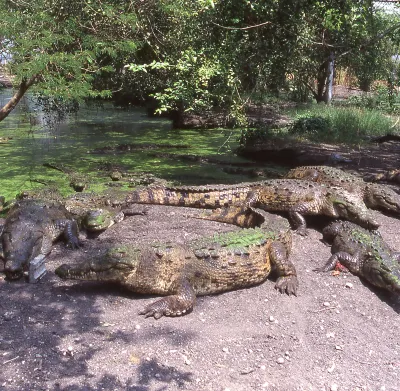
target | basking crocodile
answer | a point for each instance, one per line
(29, 230)
(296, 197)
(375, 196)
(364, 253)
(94, 212)
(205, 266)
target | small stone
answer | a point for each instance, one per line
(338, 347)
(271, 319)
(8, 316)
(349, 285)
(334, 387)
(137, 327)
(326, 304)
(225, 350)
(280, 360)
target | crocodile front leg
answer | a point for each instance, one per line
(287, 276)
(70, 233)
(352, 262)
(175, 305)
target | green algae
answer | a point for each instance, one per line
(27, 147)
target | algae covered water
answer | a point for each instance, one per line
(100, 138)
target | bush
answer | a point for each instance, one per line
(310, 125)
(383, 98)
(343, 124)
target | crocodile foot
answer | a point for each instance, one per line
(302, 231)
(287, 284)
(168, 306)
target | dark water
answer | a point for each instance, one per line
(27, 141)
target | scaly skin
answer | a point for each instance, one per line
(94, 212)
(364, 253)
(220, 263)
(29, 230)
(296, 197)
(97, 212)
(375, 196)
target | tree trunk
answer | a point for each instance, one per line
(325, 81)
(23, 87)
(330, 66)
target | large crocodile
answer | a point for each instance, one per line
(364, 253)
(296, 197)
(375, 196)
(205, 266)
(30, 228)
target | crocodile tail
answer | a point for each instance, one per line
(189, 197)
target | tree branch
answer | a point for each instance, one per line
(23, 87)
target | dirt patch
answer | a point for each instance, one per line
(71, 335)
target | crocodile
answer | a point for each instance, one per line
(375, 196)
(208, 265)
(94, 212)
(364, 253)
(294, 196)
(30, 228)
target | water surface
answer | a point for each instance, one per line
(27, 141)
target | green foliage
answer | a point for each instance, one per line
(73, 48)
(383, 98)
(192, 55)
(343, 125)
(310, 126)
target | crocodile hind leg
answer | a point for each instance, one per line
(242, 216)
(175, 305)
(295, 212)
(287, 276)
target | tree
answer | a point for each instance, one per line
(68, 50)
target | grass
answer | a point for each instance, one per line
(343, 124)
(331, 124)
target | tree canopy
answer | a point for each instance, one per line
(192, 55)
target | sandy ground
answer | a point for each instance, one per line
(72, 335)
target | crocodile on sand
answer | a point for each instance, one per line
(94, 212)
(375, 196)
(205, 266)
(364, 253)
(30, 228)
(296, 197)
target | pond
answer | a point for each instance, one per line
(101, 137)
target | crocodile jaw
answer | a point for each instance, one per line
(95, 271)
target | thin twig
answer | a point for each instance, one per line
(241, 28)
(13, 359)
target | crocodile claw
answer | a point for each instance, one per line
(168, 306)
(288, 285)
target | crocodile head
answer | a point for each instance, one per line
(19, 247)
(97, 220)
(113, 266)
(382, 197)
(350, 207)
(383, 272)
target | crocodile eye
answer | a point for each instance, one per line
(340, 206)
